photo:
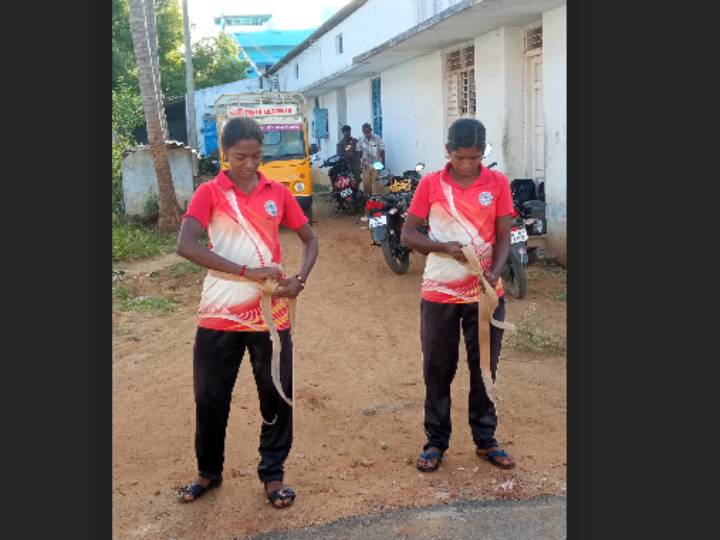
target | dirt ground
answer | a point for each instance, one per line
(358, 401)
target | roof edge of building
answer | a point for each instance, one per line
(342, 14)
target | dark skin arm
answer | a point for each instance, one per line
(501, 250)
(291, 286)
(413, 239)
(189, 246)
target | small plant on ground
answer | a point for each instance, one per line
(183, 268)
(531, 336)
(152, 208)
(125, 301)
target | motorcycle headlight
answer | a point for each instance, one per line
(299, 187)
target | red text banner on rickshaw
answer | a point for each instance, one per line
(264, 110)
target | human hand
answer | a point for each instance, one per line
(260, 274)
(289, 287)
(454, 249)
(491, 278)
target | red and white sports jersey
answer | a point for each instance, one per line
(446, 280)
(245, 230)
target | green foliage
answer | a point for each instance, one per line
(206, 167)
(215, 60)
(126, 116)
(133, 241)
(127, 111)
(217, 63)
(169, 22)
(123, 56)
(152, 207)
(125, 301)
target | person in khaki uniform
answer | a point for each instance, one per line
(373, 149)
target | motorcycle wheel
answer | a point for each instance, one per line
(514, 278)
(397, 258)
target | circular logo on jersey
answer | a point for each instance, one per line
(271, 208)
(485, 198)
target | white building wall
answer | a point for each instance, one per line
(374, 23)
(328, 144)
(359, 110)
(499, 97)
(140, 182)
(513, 138)
(555, 103)
(414, 101)
(413, 114)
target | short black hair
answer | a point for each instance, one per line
(345, 128)
(240, 128)
(466, 133)
(366, 125)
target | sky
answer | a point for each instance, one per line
(286, 14)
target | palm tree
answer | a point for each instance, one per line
(170, 214)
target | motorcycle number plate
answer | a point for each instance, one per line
(518, 235)
(346, 192)
(377, 221)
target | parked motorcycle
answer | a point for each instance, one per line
(513, 273)
(528, 219)
(345, 187)
(386, 215)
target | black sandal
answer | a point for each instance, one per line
(196, 490)
(427, 456)
(493, 453)
(286, 495)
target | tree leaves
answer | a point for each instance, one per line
(215, 60)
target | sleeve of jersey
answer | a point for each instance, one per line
(420, 205)
(201, 205)
(293, 216)
(504, 204)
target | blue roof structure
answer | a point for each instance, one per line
(268, 46)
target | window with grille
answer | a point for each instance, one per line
(533, 39)
(460, 79)
(338, 44)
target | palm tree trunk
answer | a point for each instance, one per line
(190, 82)
(170, 215)
(153, 41)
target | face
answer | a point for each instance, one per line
(466, 161)
(346, 133)
(244, 157)
(367, 131)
